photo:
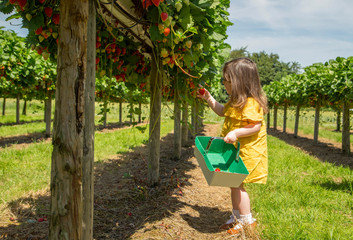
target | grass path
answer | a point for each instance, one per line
(303, 199)
(28, 168)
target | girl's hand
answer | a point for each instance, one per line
(203, 93)
(231, 137)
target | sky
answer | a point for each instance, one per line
(303, 31)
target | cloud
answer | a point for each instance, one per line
(299, 13)
(303, 31)
(303, 49)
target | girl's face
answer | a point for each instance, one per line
(228, 86)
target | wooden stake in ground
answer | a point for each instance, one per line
(88, 140)
(185, 125)
(346, 145)
(18, 109)
(66, 171)
(47, 113)
(177, 128)
(317, 122)
(155, 121)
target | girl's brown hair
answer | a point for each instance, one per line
(245, 82)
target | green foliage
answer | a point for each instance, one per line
(22, 71)
(328, 84)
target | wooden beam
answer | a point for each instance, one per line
(132, 24)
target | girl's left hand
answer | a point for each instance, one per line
(231, 137)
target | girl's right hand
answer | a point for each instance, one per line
(203, 93)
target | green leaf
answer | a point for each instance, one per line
(14, 16)
(37, 21)
(154, 33)
(185, 18)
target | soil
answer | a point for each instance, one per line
(182, 206)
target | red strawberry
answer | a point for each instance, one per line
(202, 91)
(156, 2)
(22, 3)
(56, 18)
(40, 219)
(13, 1)
(217, 170)
(166, 31)
(147, 4)
(48, 11)
(39, 30)
(142, 85)
(41, 1)
(164, 16)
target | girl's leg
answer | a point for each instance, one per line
(240, 200)
(241, 208)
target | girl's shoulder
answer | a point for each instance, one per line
(252, 102)
(230, 111)
(252, 110)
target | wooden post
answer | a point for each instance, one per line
(269, 118)
(177, 129)
(3, 107)
(47, 115)
(66, 171)
(155, 121)
(140, 111)
(18, 109)
(197, 117)
(89, 128)
(338, 120)
(131, 111)
(317, 122)
(285, 117)
(24, 109)
(105, 115)
(275, 109)
(296, 126)
(185, 125)
(120, 112)
(346, 145)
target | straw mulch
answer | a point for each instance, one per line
(182, 206)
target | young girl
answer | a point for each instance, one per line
(244, 122)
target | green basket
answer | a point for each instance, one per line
(220, 162)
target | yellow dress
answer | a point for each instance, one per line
(253, 149)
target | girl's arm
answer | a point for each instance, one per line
(216, 106)
(246, 131)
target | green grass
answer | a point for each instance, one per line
(35, 111)
(304, 198)
(28, 169)
(22, 129)
(327, 124)
(35, 115)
